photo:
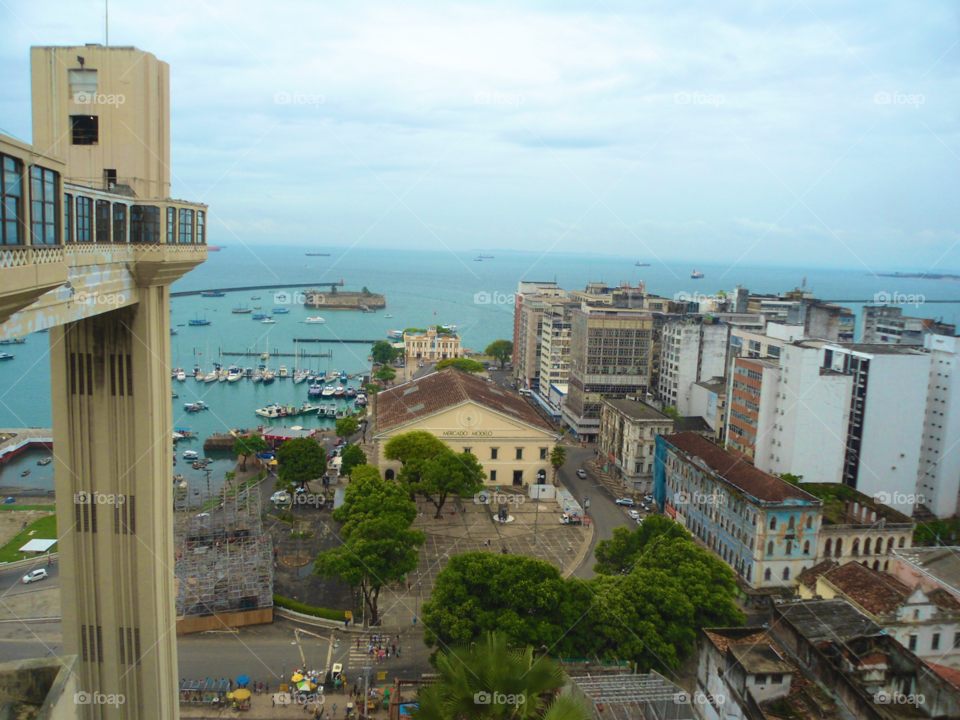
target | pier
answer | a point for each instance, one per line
(252, 353)
(246, 288)
(336, 340)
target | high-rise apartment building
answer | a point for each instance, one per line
(938, 477)
(554, 351)
(610, 356)
(91, 243)
(886, 324)
(692, 349)
(530, 302)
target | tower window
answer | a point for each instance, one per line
(86, 129)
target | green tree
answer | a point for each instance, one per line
(415, 330)
(558, 456)
(465, 364)
(447, 473)
(365, 291)
(671, 412)
(414, 445)
(371, 389)
(500, 350)
(507, 675)
(345, 427)
(301, 460)
(383, 352)
(378, 545)
(248, 445)
(351, 457)
(385, 374)
(478, 592)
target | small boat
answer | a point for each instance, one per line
(260, 316)
(485, 257)
(269, 376)
(328, 391)
(478, 259)
(44, 461)
(210, 377)
(343, 375)
(174, 395)
(642, 264)
(350, 393)
(258, 377)
(13, 341)
(274, 410)
(314, 320)
(264, 356)
(198, 321)
(395, 334)
(388, 316)
(181, 375)
(212, 293)
(6, 356)
(315, 390)
(254, 297)
(190, 455)
(696, 275)
(280, 311)
(307, 407)
(339, 392)
(299, 376)
(173, 331)
(195, 407)
(342, 413)
(24, 473)
(257, 307)
(268, 321)
(234, 374)
(282, 372)
(317, 254)
(241, 310)
(361, 400)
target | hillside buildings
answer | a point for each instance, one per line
(508, 437)
(628, 432)
(888, 325)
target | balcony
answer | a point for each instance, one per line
(28, 273)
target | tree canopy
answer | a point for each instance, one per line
(414, 445)
(491, 679)
(351, 457)
(301, 460)
(558, 456)
(383, 352)
(345, 427)
(378, 545)
(385, 374)
(655, 588)
(500, 350)
(465, 364)
(249, 445)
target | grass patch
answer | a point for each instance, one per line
(42, 529)
(325, 613)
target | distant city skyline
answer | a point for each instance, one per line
(811, 132)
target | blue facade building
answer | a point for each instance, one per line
(763, 527)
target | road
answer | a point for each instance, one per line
(10, 581)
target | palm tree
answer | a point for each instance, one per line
(489, 679)
(558, 456)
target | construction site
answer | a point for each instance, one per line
(223, 562)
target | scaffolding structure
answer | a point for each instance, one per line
(620, 696)
(223, 560)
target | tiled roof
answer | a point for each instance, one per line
(949, 674)
(636, 410)
(739, 473)
(828, 620)
(810, 577)
(872, 590)
(441, 390)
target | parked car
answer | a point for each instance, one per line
(648, 499)
(634, 514)
(339, 442)
(581, 474)
(34, 576)
(639, 521)
(626, 501)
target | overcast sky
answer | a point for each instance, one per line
(816, 132)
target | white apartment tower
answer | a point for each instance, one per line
(692, 349)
